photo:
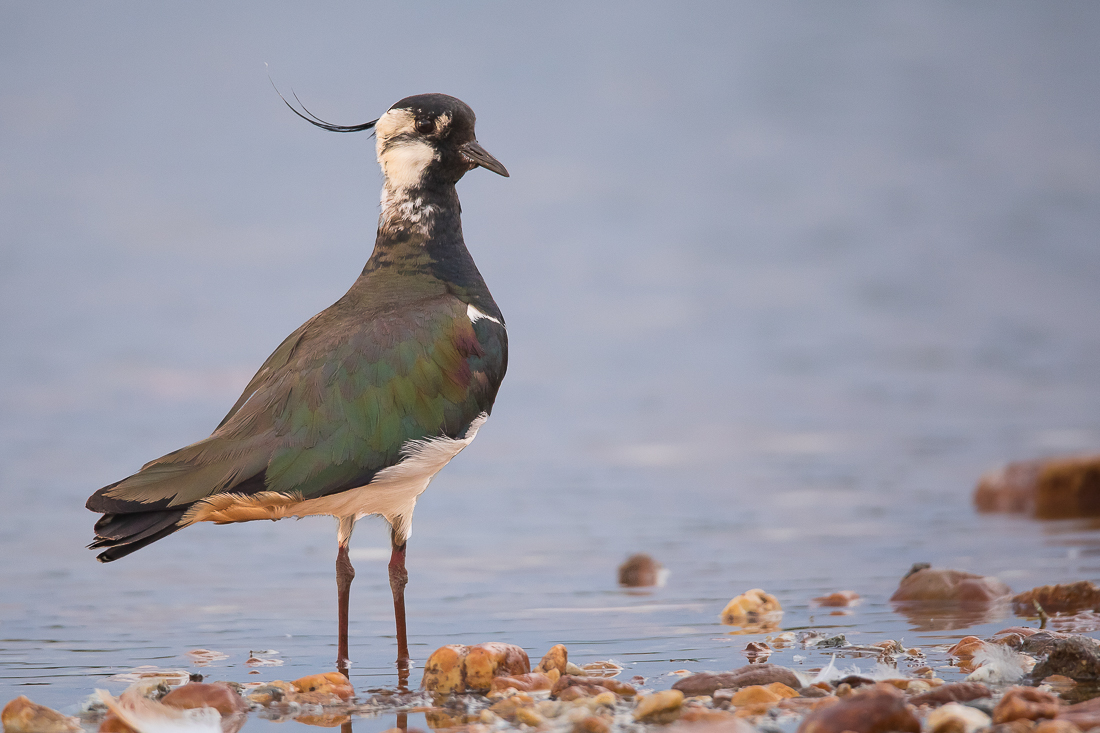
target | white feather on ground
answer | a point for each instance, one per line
(998, 664)
(147, 716)
(832, 672)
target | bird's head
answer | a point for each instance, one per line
(423, 139)
(430, 136)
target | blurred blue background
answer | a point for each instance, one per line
(781, 280)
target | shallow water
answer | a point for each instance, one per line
(780, 283)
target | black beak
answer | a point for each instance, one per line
(477, 155)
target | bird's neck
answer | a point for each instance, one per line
(420, 237)
(419, 211)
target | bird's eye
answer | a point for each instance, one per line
(424, 126)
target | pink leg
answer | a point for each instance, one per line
(398, 578)
(345, 573)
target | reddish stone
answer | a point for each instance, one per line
(1067, 598)
(523, 682)
(949, 586)
(1084, 715)
(839, 599)
(952, 692)
(878, 709)
(598, 683)
(639, 571)
(1054, 488)
(219, 696)
(705, 683)
(1025, 703)
(23, 716)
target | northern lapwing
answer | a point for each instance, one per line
(357, 410)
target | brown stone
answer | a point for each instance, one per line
(750, 606)
(576, 692)
(877, 709)
(592, 724)
(529, 682)
(966, 647)
(659, 707)
(325, 720)
(1041, 642)
(705, 683)
(215, 695)
(493, 659)
(728, 724)
(639, 571)
(1084, 715)
(556, 658)
(949, 586)
(458, 668)
(23, 716)
(839, 599)
(1012, 637)
(1009, 489)
(1066, 598)
(1014, 726)
(956, 718)
(1076, 657)
(952, 692)
(1055, 726)
(1053, 488)
(443, 670)
(757, 650)
(705, 715)
(110, 724)
(271, 692)
(330, 683)
(598, 683)
(507, 707)
(754, 695)
(1025, 703)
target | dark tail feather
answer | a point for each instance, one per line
(126, 533)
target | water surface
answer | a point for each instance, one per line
(780, 283)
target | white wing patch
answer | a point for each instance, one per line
(475, 315)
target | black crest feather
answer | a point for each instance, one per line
(315, 120)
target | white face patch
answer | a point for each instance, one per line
(403, 162)
(475, 315)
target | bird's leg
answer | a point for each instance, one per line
(345, 573)
(398, 578)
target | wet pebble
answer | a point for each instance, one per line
(751, 606)
(1076, 657)
(591, 686)
(956, 718)
(557, 658)
(705, 683)
(1025, 703)
(952, 692)
(1085, 715)
(659, 707)
(211, 695)
(949, 586)
(757, 651)
(640, 571)
(23, 716)
(1053, 488)
(839, 599)
(458, 668)
(1067, 598)
(878, 709)
(530, 682)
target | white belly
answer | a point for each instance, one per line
(392, 493)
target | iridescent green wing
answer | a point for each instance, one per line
(334, 405)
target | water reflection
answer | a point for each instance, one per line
(941, 616)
